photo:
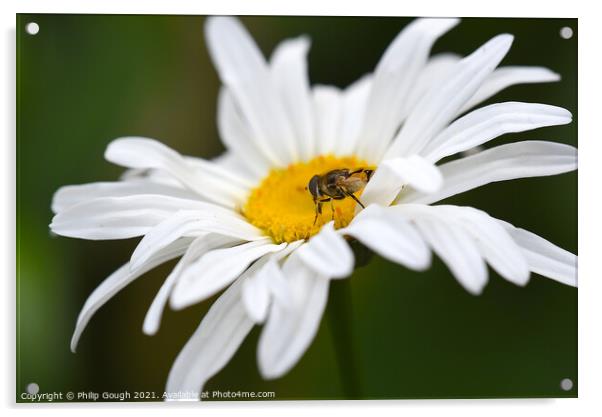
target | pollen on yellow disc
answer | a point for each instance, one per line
(284, 209)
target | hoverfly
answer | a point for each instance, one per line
(337, 185)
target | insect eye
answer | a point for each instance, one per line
(313, 185)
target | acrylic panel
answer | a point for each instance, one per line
(200, 137)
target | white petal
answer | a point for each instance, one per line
(327, 253)
(155, 176)
(198, 247)
(193, 223)
(504, 77)
(328, 104)
(160, 176)
(118, 280)
(394, 75)
(452, 243)
(486, 123)
(384, 186)
(256, 298)
(438, 67)
(506, 162)
(243, 69)
(391, 236)
(207, 179)
(264, 279)
(215, 270)
(442, 102)
(256, 292)
(291, 328)
(416, 172)
(212, 345)
(145, 153)
(544, 257)
(121, 217)
(232, 161)
(393, 174)
(278, 286)
(496, 245)
(237, 137)
(71, 195)
(354, 102)
(445, 226)
(289, 70)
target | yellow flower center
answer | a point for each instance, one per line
(282, 206)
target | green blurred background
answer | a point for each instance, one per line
(84, 80)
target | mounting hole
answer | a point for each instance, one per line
(566, 33)
(566, 384)
(32, 28)
(33, 388)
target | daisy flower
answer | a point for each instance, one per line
(247, 223)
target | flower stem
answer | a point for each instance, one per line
(340, 321)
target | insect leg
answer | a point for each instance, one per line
(332, 208)
(319, 207)
(318, 210)
(354, 197)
